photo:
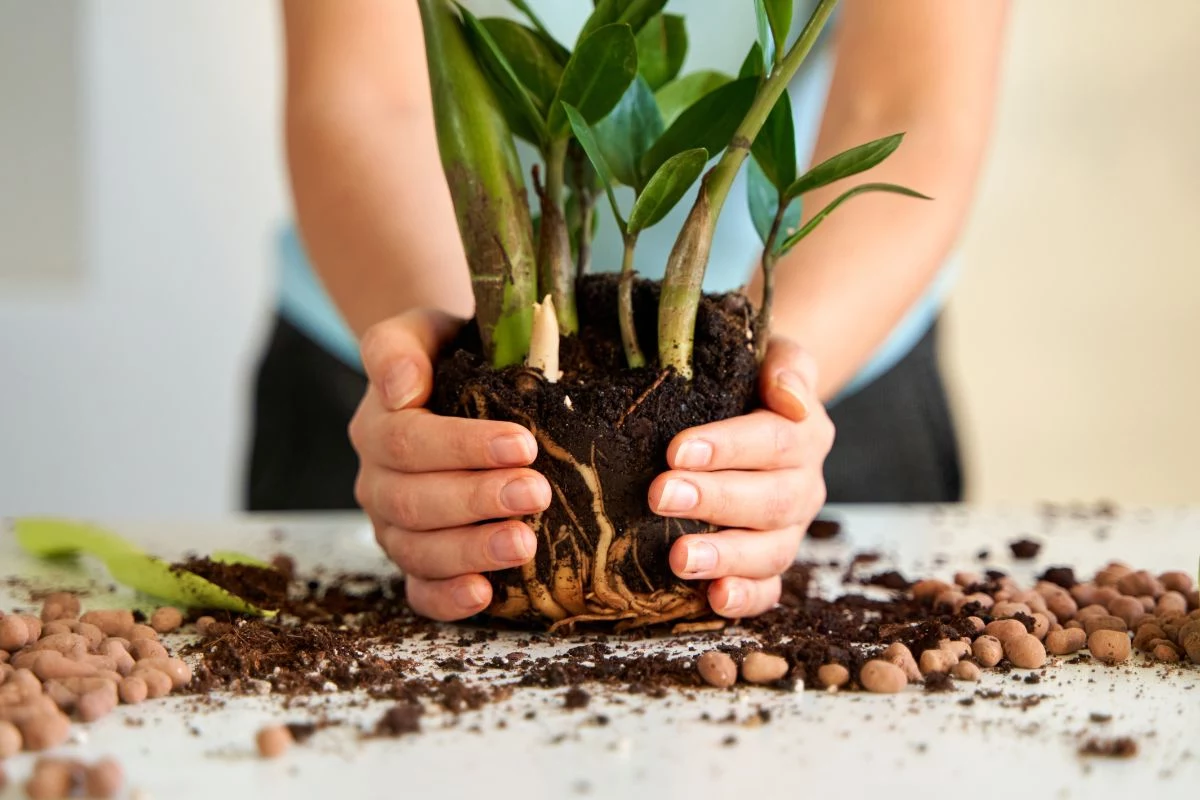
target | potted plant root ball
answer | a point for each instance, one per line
(605, 370)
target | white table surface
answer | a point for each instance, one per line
(815, 744)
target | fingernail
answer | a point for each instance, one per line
(467, 596)
(694, 453)
(701, 557)
(401, 385)
(796, 390)
(513, 449)
(735, 598)
(523, 495)
(512, 545)
(678, 496)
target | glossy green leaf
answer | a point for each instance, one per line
(532, 61)
(752, 64)
(779, 15)
(127, 563)
(809, 226)
(775, 146)
(763, 199)
(587, 139)
(502, 75)
(674, 98)
(852, 162)
(560, 53)
(709, 123)
(661, 47)
(599, 72)
(627, 133)
(666, 187)
(766, 42)
(634, 13)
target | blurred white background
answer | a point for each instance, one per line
(132, 304)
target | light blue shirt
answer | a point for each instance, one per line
(721, 46)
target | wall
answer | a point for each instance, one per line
(123, 391)
(1073, 336)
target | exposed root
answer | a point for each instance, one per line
(641, 398)
(706, 626)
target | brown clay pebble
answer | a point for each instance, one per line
(139, 632)
(1104, 624)
(203, 624)
(1065, 642)
(1041, 625)
(936, 661)
(60, 605)
(881, 677)
(1176, 581)
(988, 650)
(833, 675)
(1025, 652)
(1005, 629)
(51, 780)
(166, 619)
(51, 664)
(927, 590)
(965, 671)
(1191, 644)
(717, 669)
(115, 622)
(13, 633)
(147, 648)
(898, 653)
(1109, 646)
(175, 669)
(958, 648)
(132, 690)
(1147, 632)
(91, 634)
(157, 683)
(1171, 603)
(759, 667)
(33, 625)
(43, 731)
(10, 740)
(1166, 653)
(1127, 608)
(976, 623)
(104, 779)
(274, 741)
(96, 704)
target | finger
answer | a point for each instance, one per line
(760, 501)
(746, 554)
(759, 440)
(417, 440)
(788, 379)
(459, 551)
(435, 500)
(398, 354)
(743, 597)
(449, 600)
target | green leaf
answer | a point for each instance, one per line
(766, 42)
(808, 228)
(775, 146)
(853, 161)
(668, 185)
(502, 75)
(634, 13)
(627, 133)
(560, 53)
(127, 563)
(674, 98)
(752, 64)
(661, 47)
(599, 72)
(710, 123)
(779, 14)
(587, 139)
(763, 198)
(532, 61)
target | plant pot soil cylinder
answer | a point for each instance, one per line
(602, 432)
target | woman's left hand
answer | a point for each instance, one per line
(761, 476)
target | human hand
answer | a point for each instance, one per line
(429, 483)
(759, 475)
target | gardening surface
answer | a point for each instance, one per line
(1060, 736)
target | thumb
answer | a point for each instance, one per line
(398, 354)
(788, 379)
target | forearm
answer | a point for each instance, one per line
(373, 210)
(844, 288)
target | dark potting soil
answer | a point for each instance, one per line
(603, 429)
(266, 588)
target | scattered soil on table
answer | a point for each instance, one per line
(824, 528)
(1025, 549)
(265, 588)
(1120, 747)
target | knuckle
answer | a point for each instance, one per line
(402, 507)
(784, 439)
(361, 494)
(780, 558)
(403, 549)
(399, 444)
(779, 504)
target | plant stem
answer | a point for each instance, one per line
(633, 352)
(587, 212)
(556, 273)
(762, 323)
(684, 278)
(543, 345)
(483, 172)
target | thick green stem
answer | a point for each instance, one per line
(556, 271)
(480, 161)
(587, 214)
(762, 323)
(633, 351)
(684, 278)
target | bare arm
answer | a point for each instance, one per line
(371, 200)
(926, 67)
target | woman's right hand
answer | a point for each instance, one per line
(433, 486)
